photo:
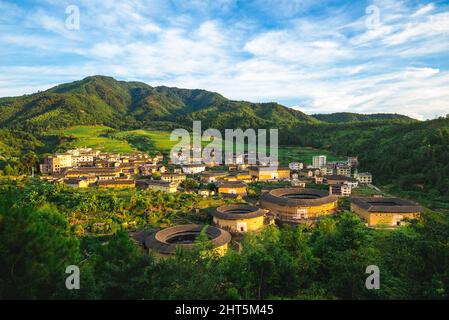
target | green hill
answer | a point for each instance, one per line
(355, 117)
(105, 101)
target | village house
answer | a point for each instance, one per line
(327, 170)
(298, 183)
(177, 170)
(380, 211)
(149, 169)
(177, 178)
(296, 166)
(242, 166)
(206, 192)
(344, 171)
(193, 168)
(338, 179)
(212, 176)
(319, 161)
(266, 173)
(116, 184)
(308, 173)
(76, 183)
(102, 173)
(319, 180)
(56, 163)
(340, 190)
(239, 176)
(157, 185)
(232, 188)
(98, 163)
(364, 177)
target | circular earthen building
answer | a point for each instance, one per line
(298, 205)
(164, 242)
(239, 218)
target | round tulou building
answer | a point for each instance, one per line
(164, 242)
(239, 218)
(298, 205)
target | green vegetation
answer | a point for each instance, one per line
(356, 117)
(93, 137)
(147, 141)
(39, 237)
(133, 105)
(365, 191)
(103, 211)
(288, 154)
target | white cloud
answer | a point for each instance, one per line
(324, 64)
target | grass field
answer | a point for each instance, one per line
(94, 137)
(289, 154)
(365, 191)
(107, 139)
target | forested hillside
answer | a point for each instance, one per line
(131, 105)
(354, 117)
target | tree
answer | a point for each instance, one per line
(9, 171)
(35, 249)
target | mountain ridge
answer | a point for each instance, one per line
(104, 100)
(341, 117)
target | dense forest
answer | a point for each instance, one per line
(38, 240)
(357, 117)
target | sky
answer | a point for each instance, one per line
(316, 56)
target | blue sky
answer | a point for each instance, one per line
(317, 56)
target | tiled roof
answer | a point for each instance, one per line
(285, 197)
(386, 204)
(238, 211)
(159, 240)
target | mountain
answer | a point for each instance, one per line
(119, 104)
(355, 117)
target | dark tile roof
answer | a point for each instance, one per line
(232, 184)
(339, 177)
(386, 204)
(106, 182)
(158, 240)
(286, 197)
(238, 211)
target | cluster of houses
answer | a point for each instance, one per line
(341, 176)
(86, 167)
